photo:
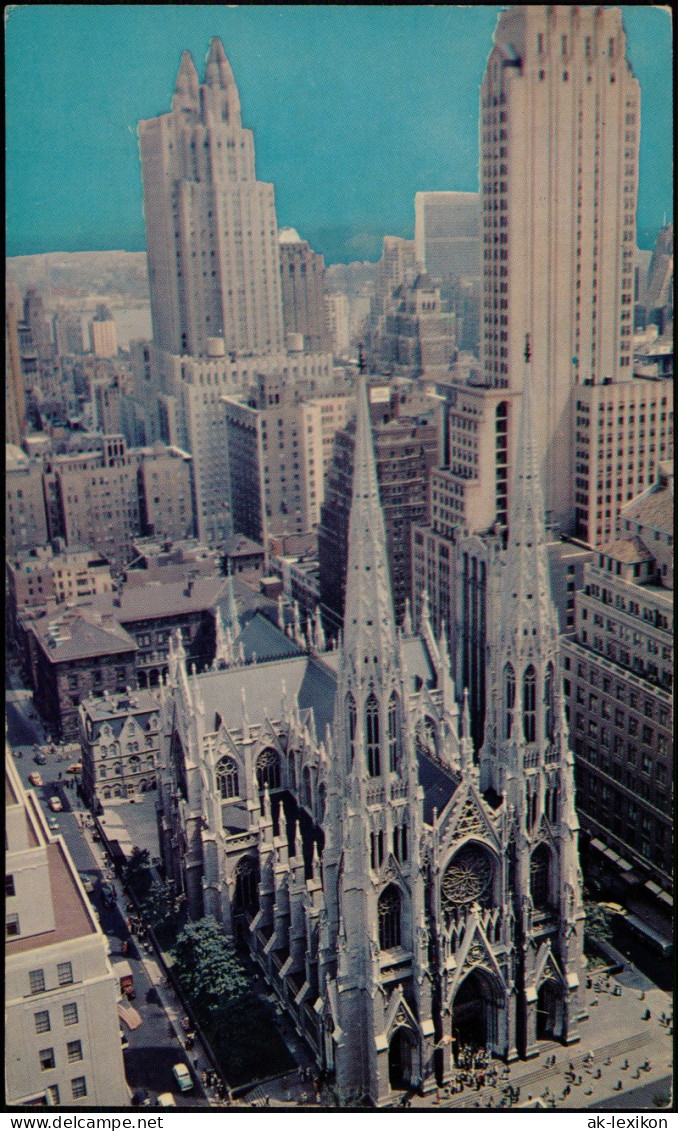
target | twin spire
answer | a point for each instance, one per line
(526, 593)
(218, 76)
(369, 621)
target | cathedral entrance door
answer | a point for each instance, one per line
(474, 1013)
(549, 1012)
(400, 1060)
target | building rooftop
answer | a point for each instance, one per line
(156, 599)
(629, 550)
(654, 508)
(108, 707)
(238, 544)
(79, 633)
(72, 916)
(288, 235)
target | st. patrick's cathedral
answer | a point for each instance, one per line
(404, 894)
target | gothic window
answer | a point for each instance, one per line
(529, 704)
(548, 703)
(268, 770)
(393, 732)
(377, 849)
(306, 788)
(540, 868)
(372, 728)
(389, 918)
(227, 778)
(292, 770)
(467, 879)
(246, 885)
(350, 702)
(400, 842)
(509, 698)
(552, 805)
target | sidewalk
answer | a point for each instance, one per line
(614, 1068)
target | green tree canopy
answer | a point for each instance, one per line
(207, 966)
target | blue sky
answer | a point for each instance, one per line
(354, 109)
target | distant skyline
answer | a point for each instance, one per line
(353, 108)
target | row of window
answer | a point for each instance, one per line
(37, 982)
(48, 1058)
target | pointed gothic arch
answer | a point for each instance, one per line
(246, 893)
(548, 703)
(402, 1055)
(226, 773)
(268, 770)
(389, 912)
(372, 734)
(476, 1006)
(550, 1010)
(541, 885)
(352, 723)
(530, 703)
(393, 733)
(509, 698)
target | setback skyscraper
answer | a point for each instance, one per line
(559, 131)
(211, 228)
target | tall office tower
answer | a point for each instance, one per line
(339, 324)
(211, 228)
(102, 337)
(658, 296)
(36, 322)
(15, 400)
(61, 1021)
(559, 132)
(302, 275)
(397, 265)
(447, 233)
(406, 434)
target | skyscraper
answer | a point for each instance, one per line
(302, 275)
(559, 131)
(447, 233)
(211, 228)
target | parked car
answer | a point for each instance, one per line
(35, 778)
(76, 768)
(166, 1099)
(183, 1077)
(40, 760)
(55, 804)
(86, 883)
(108, 895)
(53, 824)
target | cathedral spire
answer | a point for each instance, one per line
(369, 622)
(526, 595)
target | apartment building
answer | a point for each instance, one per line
(618, 675)
(302, 277)
(622, 432)
(62, 1034)
(447, 233)
(279, 447)
(25, 517)
(119, 736)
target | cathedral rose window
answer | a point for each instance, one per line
(467, 879)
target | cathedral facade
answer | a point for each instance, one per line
(404, 894)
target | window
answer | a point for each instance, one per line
(54, 1095)
(389, 918)
(548, 703)
(9, 885)
(79, 1087)
(227, 778)
(372, 727)
(529, 703)
(11, 925)
(74, 1050)
(268, 770)
(46, 1059)
(37, 981)
(509, 698)
(42, 1024)
(351, 726)
(65, 973)
(540, 863)
(393, 732)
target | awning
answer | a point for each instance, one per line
(666, 898)
(653, 887)
(598, 845)
(613, 856)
